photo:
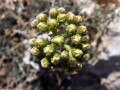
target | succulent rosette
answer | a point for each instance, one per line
(66, 47)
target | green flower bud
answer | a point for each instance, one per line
(40, 42)
(32, 42)
(72, 62)
(42, 17)
(52, 23)
(35, 51)
(34, 23)
(81, 30)
(55, 59)
(44, 63)
(61, 18)
(85, 38)
(53, 13)
(77, 52)
(78, 66)
(61, 10)
(76, 39)
(64, 54)
(85, 46)
(70, 18)
(42, 27)
(86, 56)
(78, 19)
(59, 40)
(48, 50)
(71, 28)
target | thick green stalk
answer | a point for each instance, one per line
(68, 48)
(65, 34)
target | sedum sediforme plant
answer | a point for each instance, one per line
(66, 46)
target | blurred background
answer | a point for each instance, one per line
(19, 70)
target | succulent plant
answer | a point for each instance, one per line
(41, 17)
(65, 47)
(61, 10)
(76, 39)
(53, 12)
(48, 50)
(61, 18)
(35, 51)
(40, 42)
(59, 40)
(42, 27)
(71, 29)
(77, 52)
(64, 55)
(44, 62)
(55, 59)
(32, 42)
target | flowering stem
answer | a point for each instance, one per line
(53, 45)
(68, 48)
(65, 34)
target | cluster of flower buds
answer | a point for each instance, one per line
(65, 48)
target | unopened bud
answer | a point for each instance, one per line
(72, 62)
(76, 39)
(61, 18)
(42, 17)
(71, 28)
(32, 42)
(53, 13)
(59, 40)
(85, 38)
(86, 56)
(40, 42)
(35, 51)
(61, 10)
(64, 54)
(48, 50)
(85, 46)
(77, 52)
(44, 62)
(34, 23)
(42, 27)
(55, 59)
(81, 30)
(78, 66)
(78, 19)
(70, 17)
(52, 23)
